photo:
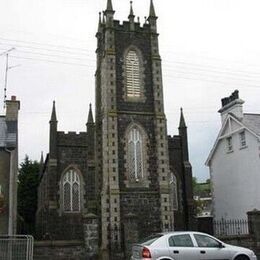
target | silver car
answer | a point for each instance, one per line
(188, 246)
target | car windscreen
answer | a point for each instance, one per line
(149, 240)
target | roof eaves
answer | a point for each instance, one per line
(212, 151)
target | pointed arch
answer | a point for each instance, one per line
(71, 190)
(136, 155)
(133, 72)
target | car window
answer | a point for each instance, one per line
(205, 241)
(149, 240)
(180, 240)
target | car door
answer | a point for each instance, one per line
(181, 247)
(210, 248)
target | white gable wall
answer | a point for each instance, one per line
(235, 177)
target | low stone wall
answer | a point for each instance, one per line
(252, 240)
(61, 250)
(242, 240)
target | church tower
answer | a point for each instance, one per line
(132, 160)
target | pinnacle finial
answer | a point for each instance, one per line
(53, 113)
(90, 115)
(109, 5)
(99, 17)
(182, 120)
(152, 12)
(41, 161)
(99, 21)
(131, 14)
(131, 8)
(103, 19)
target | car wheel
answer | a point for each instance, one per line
(241, 257)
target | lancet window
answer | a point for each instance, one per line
(133, 87)
(135, 154)
(71, 191)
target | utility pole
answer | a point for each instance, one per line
(6, 71)
(7, 68)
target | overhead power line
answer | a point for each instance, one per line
(75, 52)
(224, 84)
(171, 69)
(55, 56)
(215, 75)
(214, 69)
(166, 64)
(46, 44)
(51, 61)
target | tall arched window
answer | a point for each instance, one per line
(174, 191)
(133, 74)
(71, 191)
(135, 154)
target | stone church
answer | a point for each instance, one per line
(123, 178)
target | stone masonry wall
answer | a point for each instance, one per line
(60, 250)
(176, 166)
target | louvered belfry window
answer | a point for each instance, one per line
(135, 154)
(71, 191)
(133, 74)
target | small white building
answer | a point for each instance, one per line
(234, 162)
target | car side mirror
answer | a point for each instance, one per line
(221, 245)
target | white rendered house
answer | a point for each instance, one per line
(234, 162)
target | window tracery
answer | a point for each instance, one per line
(71, 191)
(135, 154)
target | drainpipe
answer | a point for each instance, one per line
(11, 199)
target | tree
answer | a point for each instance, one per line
(28, 180)
(201, 190)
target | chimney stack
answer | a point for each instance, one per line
(12, 108)
(232, 105)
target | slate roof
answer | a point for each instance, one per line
(8, 133)
(252, 121)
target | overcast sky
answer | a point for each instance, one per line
(209, 48)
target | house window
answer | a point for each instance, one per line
(242, 138)
(133, 75)
(229, 144)
(135, 154)
(174, 191)
(71, 191)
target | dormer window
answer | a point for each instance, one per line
(242, 139)
(229, 144)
